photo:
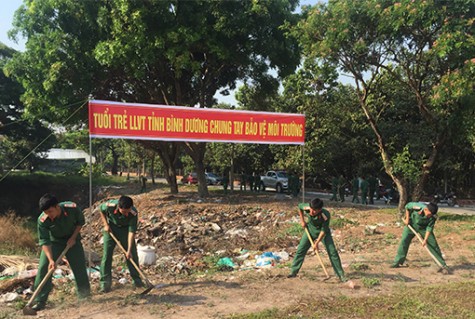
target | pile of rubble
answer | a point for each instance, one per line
(182, 230)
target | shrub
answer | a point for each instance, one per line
(17, 236)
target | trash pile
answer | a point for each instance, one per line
(180, 235)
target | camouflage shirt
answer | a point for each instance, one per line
(114, 217)
(418, 219)
(62, 227)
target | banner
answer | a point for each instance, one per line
(177, 123)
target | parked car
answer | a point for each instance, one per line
(191, 178)
(277, 180)
(212, 179)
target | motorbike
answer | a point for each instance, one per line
(447, 198)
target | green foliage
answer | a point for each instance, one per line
(370, 282)
(359, 267)
(19, 135)
(405, 166)
(294, 229)
(395, 57)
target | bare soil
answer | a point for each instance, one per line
(183, 229)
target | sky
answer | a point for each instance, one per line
(8, 8)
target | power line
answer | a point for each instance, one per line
(46, 138)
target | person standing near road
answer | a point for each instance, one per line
(355, 186)
(372, 184)
(422, 218)
(59, 226)
(318, 225)
(294, 184)
(119, 217)
(335, 182)
(364, 190)
(242, 185)
(341, 188)
(225, 181)
(257, 182)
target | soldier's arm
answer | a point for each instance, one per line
(49, 254)
(45, 241)
(406, 218)
(72, 239)
(103, 211)
(325, 229)
(131, 242)
(302, 218)
(133, 222)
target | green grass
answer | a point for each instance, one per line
(341, 222)
(370, 282)
(43, 178)
(454, 301)
(294, 229)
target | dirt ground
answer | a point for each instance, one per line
(183, 230)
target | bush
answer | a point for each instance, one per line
(17, 236)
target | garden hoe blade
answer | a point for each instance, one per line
(149, 284)
(146, 291)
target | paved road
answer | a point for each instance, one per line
(466, 210)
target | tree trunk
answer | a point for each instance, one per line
(168, 153)
(387, 162)
(197, 153)
(152, 168)
(426, 169)
(115, 161)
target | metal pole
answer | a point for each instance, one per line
(303, 170)
(90, 198)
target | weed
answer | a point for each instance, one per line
(390, 239)
(269, 313)
(294, 229)
(462, 260)
(359, 267)
(370, 282)
(341, 222)
(129, 300)
(470, 237)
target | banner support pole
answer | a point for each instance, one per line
(303, 171)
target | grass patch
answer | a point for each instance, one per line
(18, 236)
(44, 178)
(269, 313)
(341, 222)
(359, 267)
(459, 218)
(436, 302)
(294, 229)
(370, 282)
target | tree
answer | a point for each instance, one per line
(425, 47)
(22, 138)
(167, 52)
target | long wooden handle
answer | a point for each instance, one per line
(45, 279)
(422, 242)
(131, 259)
(316, 252)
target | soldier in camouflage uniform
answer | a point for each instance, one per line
(422, 218)
(119, 218)
(59, 225)
(318, 224)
